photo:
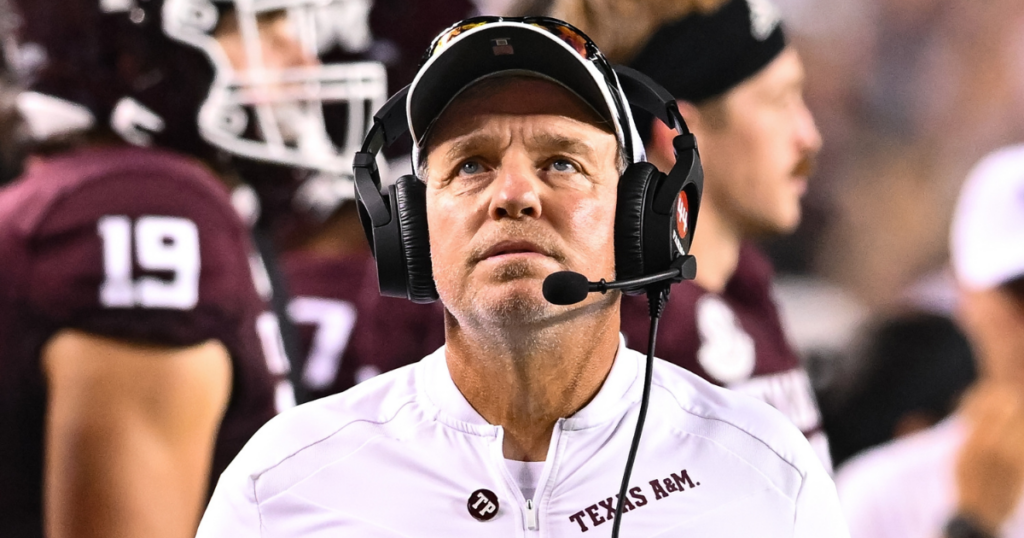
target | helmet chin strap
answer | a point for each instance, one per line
(49, 117)
(322, 193)
(134, 122)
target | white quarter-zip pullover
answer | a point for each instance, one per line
(405, 455)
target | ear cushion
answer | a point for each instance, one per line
(411, 199)
(629, 212)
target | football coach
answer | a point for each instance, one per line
(528, 164)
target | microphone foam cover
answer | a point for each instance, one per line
(565, 288)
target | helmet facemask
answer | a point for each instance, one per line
(272, 99)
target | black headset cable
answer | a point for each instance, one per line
(656, 299)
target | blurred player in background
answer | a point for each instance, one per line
(348, 332)
(137, 350)
(740, 88)
(964, 476)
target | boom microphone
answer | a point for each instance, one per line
(568, 287)
(565, 288)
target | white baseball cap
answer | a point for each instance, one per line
(987, 234)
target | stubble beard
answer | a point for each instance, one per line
(516, 322)
(516, 309)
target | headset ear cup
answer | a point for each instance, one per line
(629, 219)
(411, 197)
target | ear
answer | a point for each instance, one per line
(659, 148)
(690, 114)
(660, 152)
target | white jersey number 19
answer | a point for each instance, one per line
(162, 244)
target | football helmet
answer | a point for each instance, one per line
(392, 32)
(157, 72)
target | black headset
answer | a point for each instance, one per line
(655, 215)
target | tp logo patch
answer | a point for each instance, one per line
(483, 505)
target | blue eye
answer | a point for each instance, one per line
(471, 167)
(562, 165)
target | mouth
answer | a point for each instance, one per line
(512, 248)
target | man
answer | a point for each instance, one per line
(137, 350)
(964, 476)
(522, 422)
(739, 86)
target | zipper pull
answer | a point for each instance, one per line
(531, 516)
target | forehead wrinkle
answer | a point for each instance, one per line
(475, 143)
(795, 80)
(558, 143)
(793, 77)
(538, 136)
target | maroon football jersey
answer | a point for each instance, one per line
(348, 332)
(134, 244)
(733, 339)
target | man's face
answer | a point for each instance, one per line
(758, 156)
(279, 46)
(994, 321)
(261, 62)
(521, 183)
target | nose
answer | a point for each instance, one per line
(515, 191)
(808, 136)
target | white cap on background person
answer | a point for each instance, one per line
(987, 233)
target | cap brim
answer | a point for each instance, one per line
(495, 48)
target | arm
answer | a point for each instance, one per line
(990, 466)
(129, 435)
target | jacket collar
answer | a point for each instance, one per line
(621, 389)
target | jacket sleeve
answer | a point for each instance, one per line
(233, 510)
(818, 513)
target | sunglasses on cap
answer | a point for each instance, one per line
(564, 31)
